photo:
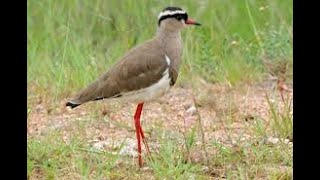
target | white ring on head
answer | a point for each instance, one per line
(166, 13)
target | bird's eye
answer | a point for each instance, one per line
(179, 17)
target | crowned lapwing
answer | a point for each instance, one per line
(144, 73)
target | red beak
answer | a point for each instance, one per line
(192, 22)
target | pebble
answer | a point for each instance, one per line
(192, 110)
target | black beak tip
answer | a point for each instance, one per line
(197, 24)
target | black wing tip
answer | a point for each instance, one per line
(72, 105)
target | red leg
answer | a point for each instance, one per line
(138, 130)
(144, 141)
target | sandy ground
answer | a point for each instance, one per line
(226, 113)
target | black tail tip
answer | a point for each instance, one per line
(72, 105)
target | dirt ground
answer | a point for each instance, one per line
(226, 113)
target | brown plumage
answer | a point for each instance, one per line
(145, 72)
(139, 68)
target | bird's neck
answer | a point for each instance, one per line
(168, 33)
(172, 44)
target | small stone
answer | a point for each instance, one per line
(99, 146)
(272, 140)
(205, 169)
(146, 169)
(192, 110)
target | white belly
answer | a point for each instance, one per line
(150, 93)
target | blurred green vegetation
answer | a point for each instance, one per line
(70, 43)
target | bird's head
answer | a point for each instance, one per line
(175, 18)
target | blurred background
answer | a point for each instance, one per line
(241, 43)
(236, 42)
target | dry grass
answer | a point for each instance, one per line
(237, 134)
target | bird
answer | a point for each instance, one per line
(145, 73)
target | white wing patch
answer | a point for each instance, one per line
(168, 60)
(165, 13)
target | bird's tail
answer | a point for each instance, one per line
(89, 93)
(72, 105)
